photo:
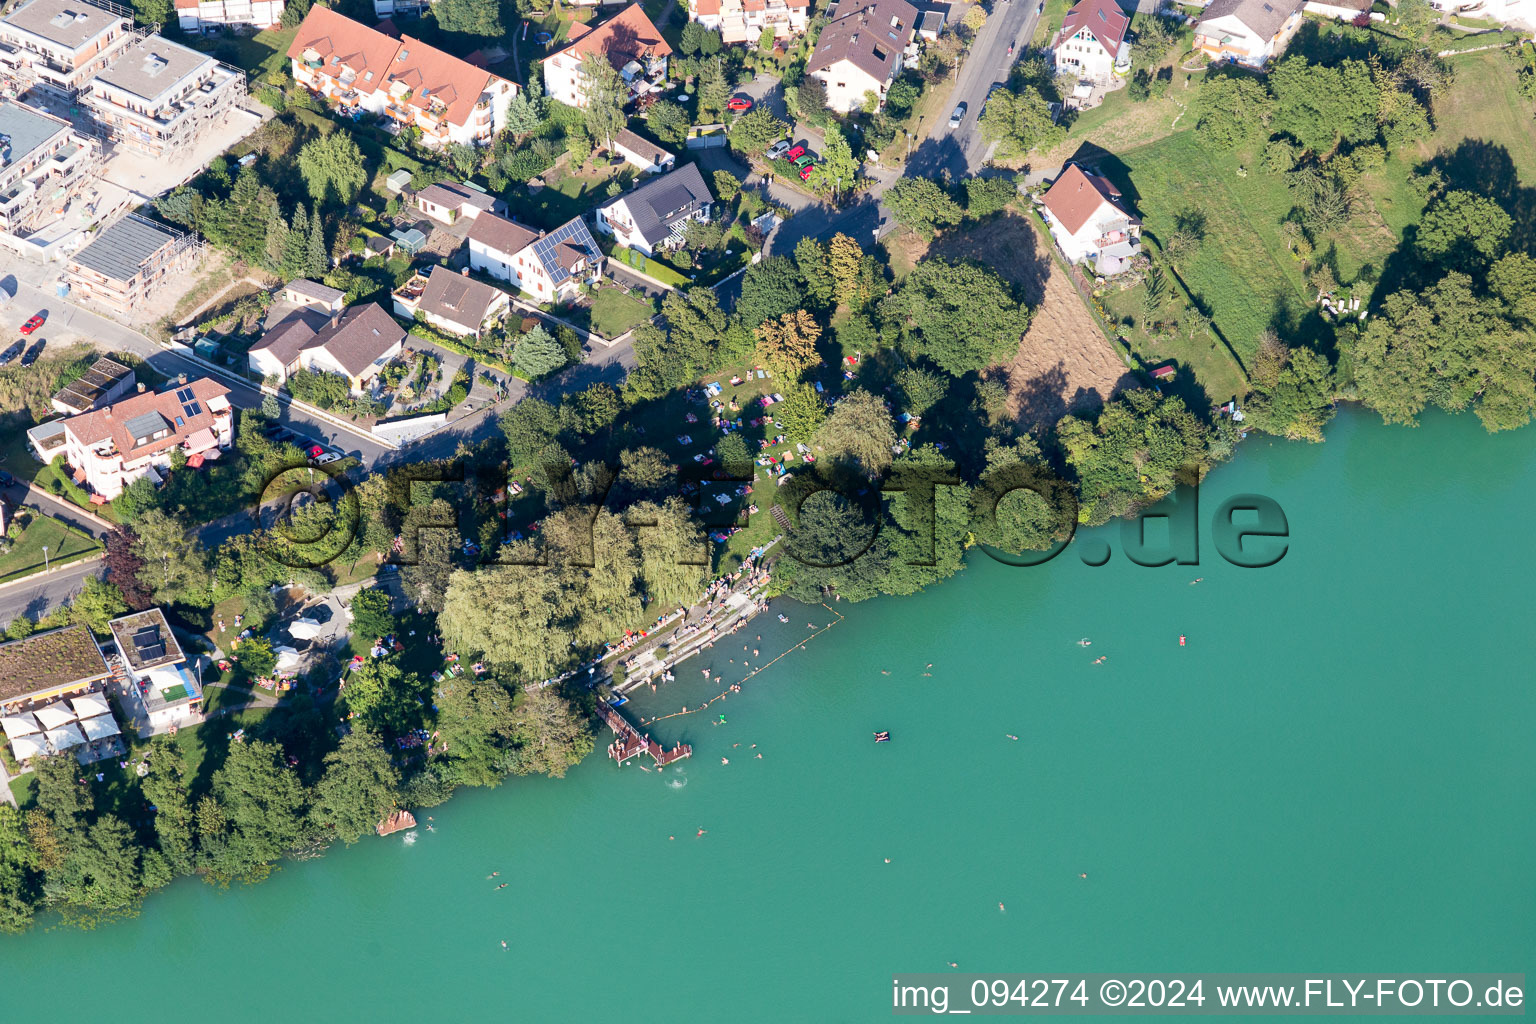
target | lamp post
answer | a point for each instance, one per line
(45, 558)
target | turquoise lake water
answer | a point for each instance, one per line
(1335, 774)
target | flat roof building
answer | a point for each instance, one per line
(158, 97)
(128, 261)
(104, 383)
(60, 44)
(44, 163)
(163, 691)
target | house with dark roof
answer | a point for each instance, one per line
(58, 45)
(642, 153)
(1251, 32)
(356, 343)
(402, 79)
(861, 51)
(1092, 43)
(550, 266)
(630, 41)
(111, 447)
(655, 215)
(313, 295)
(104, 383)
(447, 201)
(456, 303)
(1089, 223)
(129, 260)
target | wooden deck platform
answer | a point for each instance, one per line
(630, 741)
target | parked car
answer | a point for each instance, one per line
(805, 172)
(6, 480)
(739, 104)
(795, 154)
(12, 352)
(34, 352)
(778, 149)
(957, 117)
(805, 161)
(33, 324)
(314, 451)
(321, 460)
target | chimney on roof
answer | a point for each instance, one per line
(107, 411)
(182, 378)
(465, 272)
(141, 389)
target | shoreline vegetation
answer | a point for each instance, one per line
(1355, 225)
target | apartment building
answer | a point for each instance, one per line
(743, 21)
(59, 44)
(157, 97)
(405, 80)
(44, 163)
(128, 261)
(110, 448)
(214, 15)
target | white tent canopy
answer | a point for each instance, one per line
(90, 705)
(304, 629)
(100, 727)
(28, 746)
(20, 724)
(64, 737)
(55, 715)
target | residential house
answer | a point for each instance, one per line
(860, 53)
(1086, 218)
(52, 697)
(456, 303)
(59, 44)
(207, 16)
(549, 266)
(632, 44)
(111, 447)
(1092, 43)
(642, 153)
(655, 215)
(743, 21)
(44, 164)
(355, 343)
(447, 201)
(104, 383)
(310, 295)
(129, 260)
(404, 80)
(157, 97)
(164, 692)
(1251, 32)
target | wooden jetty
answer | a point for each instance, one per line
(396, 822)
(630, 741)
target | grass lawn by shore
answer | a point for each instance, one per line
(64, 543)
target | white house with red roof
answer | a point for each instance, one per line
(632, 44)
(110, 448)
(415, 85)
(1092, 44)
(1086, 218)
(743, 21)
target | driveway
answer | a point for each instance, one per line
(960, 152)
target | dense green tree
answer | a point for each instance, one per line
(384, 696)
(929, 520)
(1319, 105)
(1463, 230)
(1513, 280)
(471, 17)
(816, 271)
(256, 657)
(1133, 455)
(859, 433)
(166, 787)
(263, 806)
(523, 114)
(174, 566)
(838, 167)
(922, 205)
(97, 604)
(1292, 391)
(801, 412)
(538, 354)
(431, 538)
(674, 560)
(1230, 109)
(1020, 122)
(1021, 504)
(986, 196)
(549, 737)
(670, 122)
(699, 41)
(371, 616)
(961, 316)
(754, 131)
(921, 389)
(714, 88)
(603, 93)
(591, 410)
(787, 345)
(358, 786)
(332, 165)
(475, 726)
(769, 289)
(529, 426)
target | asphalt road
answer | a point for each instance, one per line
(962, 150)
(36, 596)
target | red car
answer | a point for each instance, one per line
(795, 154)
(314, 451)
(740, 104)
(32, 324)
(805, 172)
